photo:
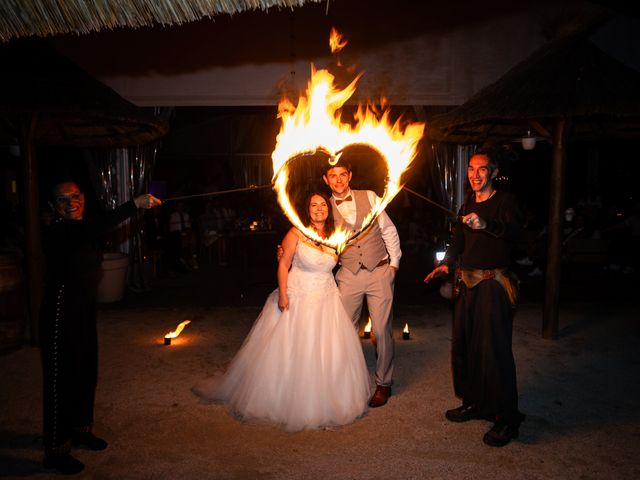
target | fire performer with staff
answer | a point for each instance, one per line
(69, 344)
(484, 372)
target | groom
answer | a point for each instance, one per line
(368, 267)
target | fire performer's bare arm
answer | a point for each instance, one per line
(284, 263)
(437, 272)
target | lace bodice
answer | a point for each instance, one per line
(311, 269)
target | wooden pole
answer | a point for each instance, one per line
(33, 237)
(554, 230)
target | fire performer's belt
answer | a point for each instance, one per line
(503, 276)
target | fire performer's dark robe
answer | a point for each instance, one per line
(69, 345)
(484, 372)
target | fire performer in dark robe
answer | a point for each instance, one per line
(69, 344)
(484, 372)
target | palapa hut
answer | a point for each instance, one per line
(47, 100)
(568, 90)
(24, 18)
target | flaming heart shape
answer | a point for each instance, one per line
(314, 125)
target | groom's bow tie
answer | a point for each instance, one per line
(345, 199)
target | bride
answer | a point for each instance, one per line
(301, 366)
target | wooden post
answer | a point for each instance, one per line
(33, 237)
(554, 230)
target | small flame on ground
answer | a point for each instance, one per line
(406, 328)
(178, 329)
(367, 327)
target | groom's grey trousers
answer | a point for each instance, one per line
(377, 285)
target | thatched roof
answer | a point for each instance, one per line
(570, 77)
(23, 18)
(72, 107)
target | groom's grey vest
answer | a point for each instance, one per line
(368, 249)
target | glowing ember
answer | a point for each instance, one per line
(176, 332)
(314, 125)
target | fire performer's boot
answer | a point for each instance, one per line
(62, 462)
(88, 440)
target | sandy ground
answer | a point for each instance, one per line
(580, 393)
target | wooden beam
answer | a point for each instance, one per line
(537, 126)
(556, 205)
(33, 237)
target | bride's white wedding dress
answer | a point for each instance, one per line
(302, 368)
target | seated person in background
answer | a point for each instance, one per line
(209, 229)
(625, 238)
(182, 239)
(226, 217)
(574, 227)
(157, 229)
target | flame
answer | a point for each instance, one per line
(406, 328)
(314, 125)
(178, 329)
(367, 327)
(335, 41)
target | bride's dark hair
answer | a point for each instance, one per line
(329, 225)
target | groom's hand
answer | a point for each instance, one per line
(279, 252)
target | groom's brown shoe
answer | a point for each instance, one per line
(380, 396)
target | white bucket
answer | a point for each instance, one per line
(114, 275)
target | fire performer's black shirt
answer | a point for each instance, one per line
(72, 246)
(489, 248)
